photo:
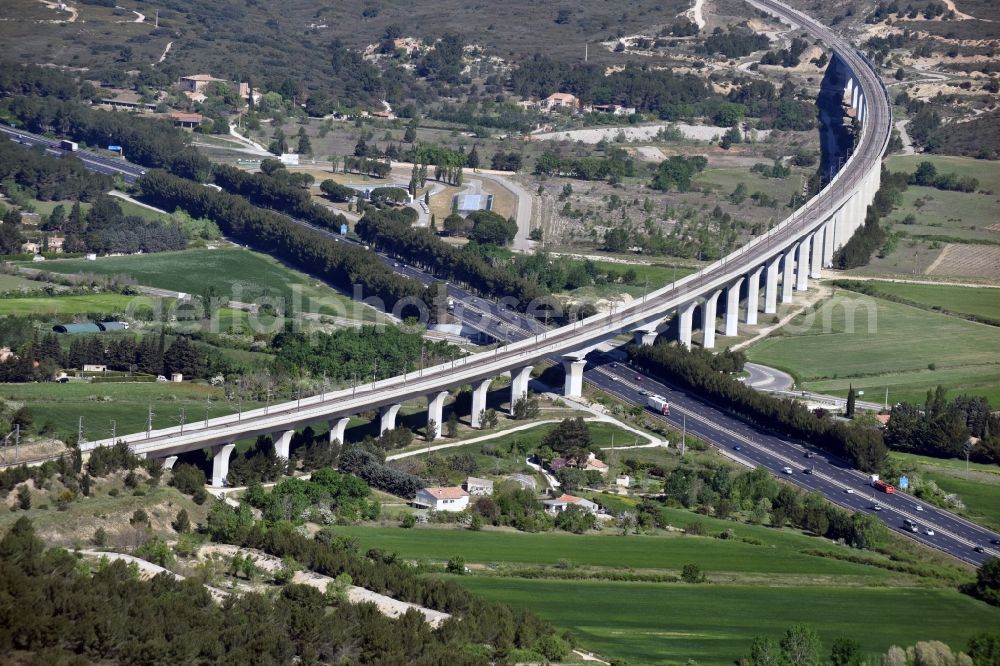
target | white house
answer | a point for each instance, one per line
(563, 502)
(476, 486)
(448, 498)
(93, 367)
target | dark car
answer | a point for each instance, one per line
(979, 549)
(737, 448)
(995, 542)
(638, 378)
(809, 454)
(807, 470)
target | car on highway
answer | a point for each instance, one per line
(914, 529)
(638, 378)
(979, 549)
(809, 454)
(929, 532)
(787, 470)
(919, 508)
(807, 470)
(737, 448)
(613, 378)
(995, 542)
(876, 507)
(849, 491)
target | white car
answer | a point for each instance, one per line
(919, 508)
(787, 470)
(877, 507)
(929, 532)
(849, 491)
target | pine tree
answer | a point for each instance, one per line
(849, 411)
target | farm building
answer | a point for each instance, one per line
(476, 486)
(91, 327)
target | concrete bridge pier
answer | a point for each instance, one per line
(802, 264)
(788, 273)
(686, 323)
(644, 337)
(388, 417)
(435, 413)
(479, 401)
(573, 367)
(816, 258)
(220, 463)
(337, 429)
(771, 286)
(283, 444)
(169, 462)
(519, 385)
(733, 307)
(753, 295)
(828, 230)
(708, 314)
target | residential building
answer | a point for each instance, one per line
(196, 83)
(5, 353)
(557, 101)
(30, 248)
(189, 120)
(56, 243)
(94, 367)
(476, 486)
(563, 502)
(623, 481)
(593, 464)
(446, 498)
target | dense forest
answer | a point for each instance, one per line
(47, 178)
(697, 370)
(107, 614)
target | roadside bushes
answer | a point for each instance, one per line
(862, 446)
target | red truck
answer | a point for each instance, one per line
(884, 487)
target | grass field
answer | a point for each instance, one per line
(965, 300)
(884, 344)
(725, 181)
(17, 283)
(779, 555)
(985, 171)
(654, 624)
(240, 274)
(126, 403)
(977, 485)
(95, 303)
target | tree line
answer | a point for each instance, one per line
(49, 179)
(153, 143)
(341, 264)
(942, 427)
(91, 614)
(862, 446)
(268, 191)
(389, 233)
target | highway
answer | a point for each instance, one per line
(94, 162)
(530, 341)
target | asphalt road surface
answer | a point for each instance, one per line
(735, 438)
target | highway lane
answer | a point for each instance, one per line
(828, 474)
(952, 534)
(92, 161)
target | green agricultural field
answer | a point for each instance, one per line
(981, 301)
(872, 343)
(17, 283)
(958, 215)
(72, 305)
(125, 403)
(986, 172)
(725, 181)
(236, 273)
(780, 554)
(714, 624)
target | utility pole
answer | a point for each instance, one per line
(114, 430)
(149, 420)
(79, 432)
(181, 419)
(208, 406)
(684, 427)
(17, 445)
